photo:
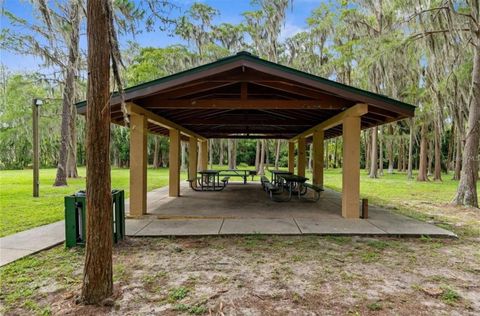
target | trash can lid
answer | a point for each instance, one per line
(80, 193)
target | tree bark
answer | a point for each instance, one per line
(221, 158)
(374, 154)
(400, 155)
(72, 171)
(262, 158)
(97, 277)
(437, 175)
(422, 169)
(156, 149)
(391, 157)
(257, 156)
(68, 95)
(230, 154)
(467, 187)
(410, 150)
(277, 154)
(235, 143)
(183, 156)
(335, 160)
(380, 152)
(458, 155)
(368, 151)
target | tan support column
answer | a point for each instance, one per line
(174, 163)
(318, 158)
(302, 157)
(351, 167)
(138, 164)
(192, 159)
(291, 157)
(203, 155)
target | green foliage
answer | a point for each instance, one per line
(16, 99)
(177, 294)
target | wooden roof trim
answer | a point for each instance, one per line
(244, 59)
(356, 110)
(157, 119)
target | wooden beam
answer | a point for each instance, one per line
(318, 137)
(244, 91)
(174, 164)
(291, 157)
(351, 167)
(157, 119)
(203, 156)
(246, 104)
(355, 111)
(138, 164)
(302, 156)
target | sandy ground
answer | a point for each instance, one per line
(273, 275)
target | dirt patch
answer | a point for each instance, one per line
(269, 276)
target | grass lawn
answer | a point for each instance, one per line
(268, 275)
(20, 211)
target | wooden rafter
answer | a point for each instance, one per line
(157, 119)
(356, 110)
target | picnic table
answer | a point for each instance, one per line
(238, 173)
(210, 180)
(277, 173)
(293, 183)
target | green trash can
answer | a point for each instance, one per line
(75, 218)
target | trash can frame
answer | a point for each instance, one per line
(75, 218)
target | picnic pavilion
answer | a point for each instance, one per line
(243, 96)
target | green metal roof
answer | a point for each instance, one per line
(249, 57)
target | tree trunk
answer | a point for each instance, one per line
(210, 153)
(391, 157)
(156, 149)
(437, 176)
(68, 95)
(431, 158)
(374, 154)
(97, 277)
(257, 156)
(400, 155)
(267, 154)
(458, 155)
(230, 154)
(235, 143)
(422, 169)
(380, 152)
(277, 154)
(262, 158)
(72, 171)
(335, 153)
(368, 151)
(183, 156)
(410, 150)
(467, 187)
(221, 158)
(451, 145)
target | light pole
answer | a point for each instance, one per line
(36, 146)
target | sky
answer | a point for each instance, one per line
(230, 11)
